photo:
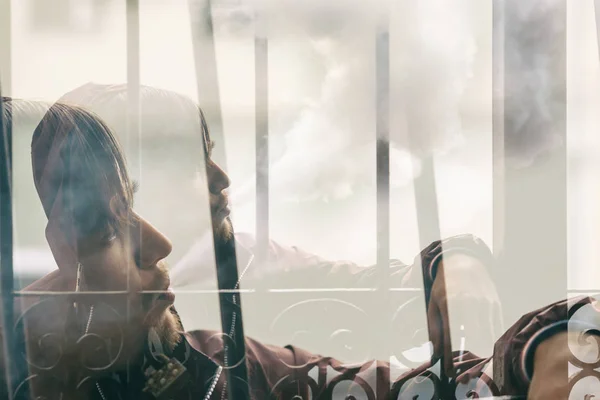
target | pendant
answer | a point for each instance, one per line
(164, 383)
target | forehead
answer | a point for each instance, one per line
(161, 113)
(163, 116)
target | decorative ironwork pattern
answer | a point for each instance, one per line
(31, 364)
(584, 346)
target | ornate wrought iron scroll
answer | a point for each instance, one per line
(584, 345)
(49, 346)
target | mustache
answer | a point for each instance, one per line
(160, 283)
(160, 277)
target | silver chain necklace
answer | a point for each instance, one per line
(209, 393)
(87, 328)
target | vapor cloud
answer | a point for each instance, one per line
(327, 150)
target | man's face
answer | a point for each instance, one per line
(218, 182)
(130, 261)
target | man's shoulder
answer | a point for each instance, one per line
(208, 342)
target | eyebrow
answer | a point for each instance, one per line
(135, 187)
(207, 142)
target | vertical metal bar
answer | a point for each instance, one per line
(597, 15)
(9, 343)
(383, 157)
(6, 47)
(426, 204)
(498, 153)
(261, 57)
(207, 74)
(382, 129)
(10, 351)
(498, 43)
(203, 42)
(429, 231)
(134, 134)
(531, 201)
(534, 195)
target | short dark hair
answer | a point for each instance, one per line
(89, 171)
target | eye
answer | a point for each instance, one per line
(97, 239)
(109, 235)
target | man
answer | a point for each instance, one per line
(171, 122)
(117, 348)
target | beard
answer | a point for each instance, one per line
(165, 322)
(167, 325)
(224, 242)
(169, 329)
(222, 231)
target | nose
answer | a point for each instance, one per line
(217, 178)
(152, 246)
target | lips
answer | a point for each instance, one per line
(224, 212)
(167, 296)
(163, 297)
(221, 210)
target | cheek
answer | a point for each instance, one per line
(112, 268)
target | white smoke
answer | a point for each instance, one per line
(535, 110)
(327, 151)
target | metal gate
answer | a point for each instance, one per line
(525, 247)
